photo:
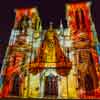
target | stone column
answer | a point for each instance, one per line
(59, 91)
(42, 79)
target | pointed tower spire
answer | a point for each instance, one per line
(61, 24)
(51, 26)
(61, 27)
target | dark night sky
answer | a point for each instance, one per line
(50, 10)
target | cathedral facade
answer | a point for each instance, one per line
(53, 63)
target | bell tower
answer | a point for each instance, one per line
(80, 20)
(84, 38)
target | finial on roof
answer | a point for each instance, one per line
(51, 26)
(61, 24)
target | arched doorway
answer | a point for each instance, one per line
(51, 86)
(88, 84)
(16, 85)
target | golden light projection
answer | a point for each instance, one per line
(57, 63)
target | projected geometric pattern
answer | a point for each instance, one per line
(52, 63)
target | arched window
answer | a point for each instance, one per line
(80, 20)
(91, 59)
(83, 19)
(88, 80)
(80, 58)
(77, 20)
(16, 85)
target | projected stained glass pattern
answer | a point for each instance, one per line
(52, 63)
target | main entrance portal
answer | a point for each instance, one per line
(51, 86)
